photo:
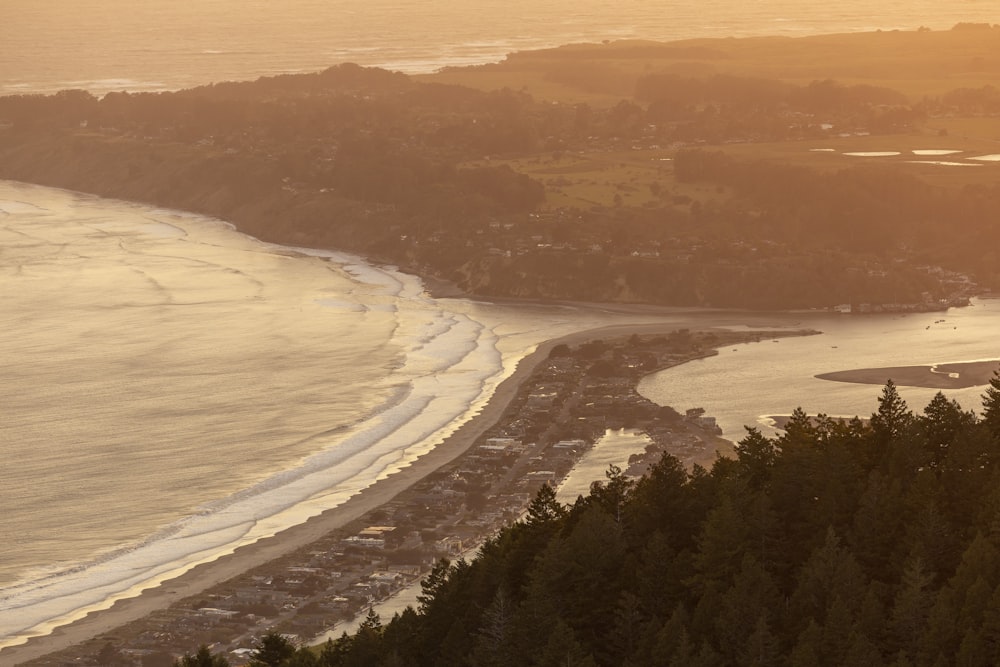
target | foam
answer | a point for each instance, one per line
(448, 367)
(15, 207)
(456, 366)
(945, 163)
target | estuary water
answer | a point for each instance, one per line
(746, 384)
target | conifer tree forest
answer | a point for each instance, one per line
(862, 542)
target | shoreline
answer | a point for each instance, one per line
(959, 375)
(245, 558)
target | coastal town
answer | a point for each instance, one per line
(570, 399)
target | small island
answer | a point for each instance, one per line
(938, 376)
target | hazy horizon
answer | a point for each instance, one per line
(159, 45)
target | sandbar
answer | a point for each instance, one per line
(243, 559)
(959, 375)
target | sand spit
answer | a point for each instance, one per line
(248, 557)
(941, 376)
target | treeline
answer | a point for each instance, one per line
(749, 93)
(460, 123)
(863, 209)
(366, 134)
(373, 162)
(300, 106)
(836, 543)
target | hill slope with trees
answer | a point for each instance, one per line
(837, 543)
(650, 173)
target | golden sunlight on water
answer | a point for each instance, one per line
(158, 366)
(166, 376)
(118, 44)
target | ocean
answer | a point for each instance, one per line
(173, 389)
(105, 45)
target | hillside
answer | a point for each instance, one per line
(761, 173)
(837, 543)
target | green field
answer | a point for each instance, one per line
(634, 179)
(919, 64)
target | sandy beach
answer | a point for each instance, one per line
(940, 376)
(248, 557)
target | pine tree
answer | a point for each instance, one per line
(433, 584)
(808, 647)
(577, 571)
(942, 634)
(913, 603)
(272, 650)
(892, 418)
(335, 652)
(563, 650)
(799, 432)
(544, 508)
(613, 494)
(878, 525)
(721, 545)
(862, 652)
(684, 652)
(991, 406)
(662, 502)
(889, 424)
(372, 622)
(670, 636)
(837, 631)
(830, 571)
(367, 647)
(990, 630)
(303, 657)
(203, 658)
(493, 642)
(941, 422)
(629, 620)
(980, 560)
(744, 607)
(973, 651)
(762, 648)
(659, 575)
(756, 455)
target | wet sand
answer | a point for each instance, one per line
(248, 557)
(941, 376)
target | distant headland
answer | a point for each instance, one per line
(765, 173)
(938, 376)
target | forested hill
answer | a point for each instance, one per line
(586, 173)
(859, 543)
